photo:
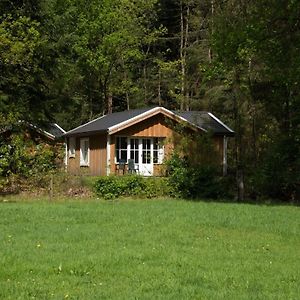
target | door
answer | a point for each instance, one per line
(145, 157)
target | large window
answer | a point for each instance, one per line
(121, 149)
(140, 150)
(158, 151)
(72, 146)
(146, 151)
(134, 150)
(84, 152)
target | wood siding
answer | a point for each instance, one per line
(97, 162)
(156, 126)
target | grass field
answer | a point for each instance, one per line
(154, 249)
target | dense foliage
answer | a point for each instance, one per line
(24, 154)
(196, 181)
(73, 60)
(111, 187)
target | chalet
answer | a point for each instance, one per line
(136, 140)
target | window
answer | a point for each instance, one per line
(84, 152)
(134, 150)
(146, 151)
(121, 149)
(158, 151)
(72, 146)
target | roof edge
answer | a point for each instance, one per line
(152, 111)
(80, 126)
(40, 130)
(220, 122)
(115, 128)
(60, 128)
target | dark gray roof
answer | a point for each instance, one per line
(55, 130)
(204, 120)
(103, 123)
(51, 130)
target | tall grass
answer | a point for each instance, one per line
(154, 249)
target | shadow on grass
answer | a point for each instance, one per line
(262, 201)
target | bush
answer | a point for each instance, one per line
(131, 185)
(200, 181)
(278, 176)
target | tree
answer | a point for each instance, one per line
(22, 62)
(254, 44)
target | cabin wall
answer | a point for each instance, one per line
(156, 126)
(98, 157)
(218, 142)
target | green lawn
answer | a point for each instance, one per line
(154, 249)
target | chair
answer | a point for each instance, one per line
(121, 167)
(132, 167)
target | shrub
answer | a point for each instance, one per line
(131, 185)
(279, 174)
(195, 181)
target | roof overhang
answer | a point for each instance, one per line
(70, 132)
(39, 130)
(131, 121)
(230, 131)
(148, 114)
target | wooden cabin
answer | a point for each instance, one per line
(136, 141)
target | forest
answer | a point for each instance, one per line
(69, 61)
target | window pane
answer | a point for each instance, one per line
(121, 149)
(84, 152)
(124, 155)
(146, 157)
(72, 146)
(123, 143)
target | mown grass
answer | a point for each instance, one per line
(151, 249)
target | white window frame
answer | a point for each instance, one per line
(72, 146)
(119, 150)
(135, 150)
(82, 146)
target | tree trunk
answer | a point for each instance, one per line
(212, 28)
(110, 104)
(182, 57)
(145, 83)
(126, 92)
(238, 138)
(240, 184)
(159, 87)
(186, 96)
(184, 34)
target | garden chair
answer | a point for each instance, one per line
(132, 167)
(122, 166)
